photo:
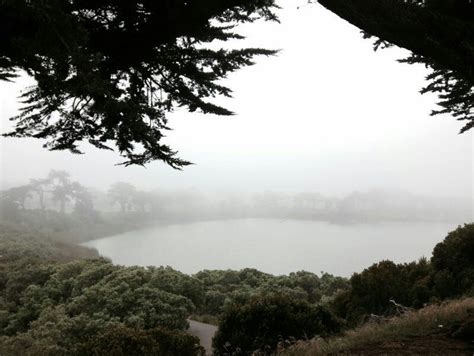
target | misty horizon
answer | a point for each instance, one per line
(236, 177)
(312, 119)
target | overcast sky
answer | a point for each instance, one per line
(327, 114)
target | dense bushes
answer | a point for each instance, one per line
(16, 244)
(373, 289)
(58, 299)
(56, 333)
(224, 287)
(262, 322)
(449, 273)
(92, 288)
(453, 263)
(123, 341)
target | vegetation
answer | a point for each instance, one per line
(59, 298)
(224, 288)
(373, 289)
(437, 329)
(444, 43)
(55, 300)
(66, 210)
(88, 89)
(17, 244)
(447, 275)
(58, 206)
(261, 323)
(57, 189)
(453, 261)
(374, 296)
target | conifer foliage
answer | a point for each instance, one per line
(440, 35)
(108, 71)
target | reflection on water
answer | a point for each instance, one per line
(273, 246)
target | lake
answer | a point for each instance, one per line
(272, 245)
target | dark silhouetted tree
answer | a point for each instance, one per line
(373, 290)
(453, 263)
(440, 35)
(264, 321)
(108, 71)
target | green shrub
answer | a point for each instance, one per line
(124, 341)
(453, 263)
(374, 288)
(264, 321)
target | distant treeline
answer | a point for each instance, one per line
(58, 195)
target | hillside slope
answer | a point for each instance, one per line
(446, 329)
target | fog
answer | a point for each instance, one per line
(326, 115)
(331, 214)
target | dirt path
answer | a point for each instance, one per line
(205, 333)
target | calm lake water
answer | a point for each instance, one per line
(272, 245)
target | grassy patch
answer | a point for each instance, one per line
(431, 320)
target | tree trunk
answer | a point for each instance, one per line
(41, 199)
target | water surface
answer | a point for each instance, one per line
(272, 245)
